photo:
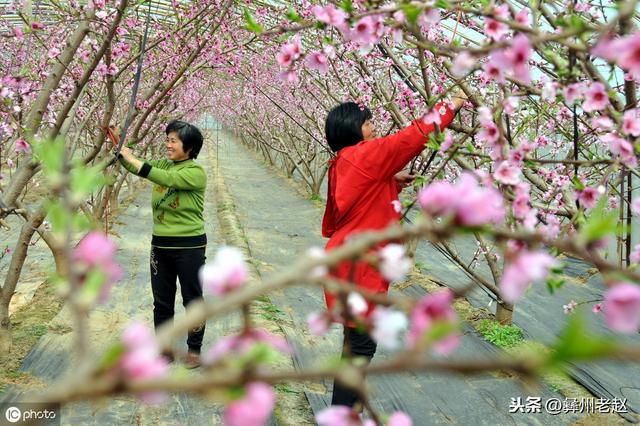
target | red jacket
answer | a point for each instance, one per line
(361, 189)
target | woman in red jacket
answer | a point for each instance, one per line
(364, 179)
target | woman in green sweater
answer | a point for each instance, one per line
(179, 241)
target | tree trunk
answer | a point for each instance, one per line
(13, 275)
(411, 246)
(104, 200)
(5, 329)
(62, 265)
(504, 313)
(317, 185)
(57, 251)
(115, 194)
(267, 155)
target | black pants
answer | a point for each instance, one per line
(360, 345)
(166, 266)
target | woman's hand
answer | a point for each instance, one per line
(404, 178)
(126, 153)
(128, 156)
(459, 97)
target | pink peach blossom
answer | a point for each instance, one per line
(53, 52)
(478, 205)
(432, 117)
(485, 115)
(462, 64)
(602, 123)
(596, 98)
(399, 419)
(144, 363)
(318, 323)
(226, 273)
(318, 254)
(94, 249)
(138, 334)
(628, 53)
(318, 61)
(523, 17)
(507, 173)
(622, 307)
(142, 359)
(394, 264)
(569, 307)
(330, 15)
(253, 409)
(494, 29)
(429, 18)
(502, 12)
(240, 344)
(493, 67)
(631, 122)
(489, 133)
(521, 206)
(366, 31)
(447, 143)
(510, 105)
(338, 415)
(436, 199)
(469, 203)
(399, 16)
(289, 53)
(552, 228)
(525, 268)
(549, 91)
(588, 197)
(573, 92)
(95, 252)
(620, 147)
(389, 325)
(357, 304)
(431, 309)
(22, 146)
(518, 56)
(290, 76)
(397, 35)
(634, 256)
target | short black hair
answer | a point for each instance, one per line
(189, 134)
(344, 125)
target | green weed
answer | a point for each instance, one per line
(504, 336)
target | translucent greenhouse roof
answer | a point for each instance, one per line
(44, 11)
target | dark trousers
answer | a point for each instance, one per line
(166, 266)
(355, 344)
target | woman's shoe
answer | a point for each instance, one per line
(192, 360)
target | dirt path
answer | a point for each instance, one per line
(279, 224)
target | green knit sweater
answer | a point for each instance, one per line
(177, 201)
